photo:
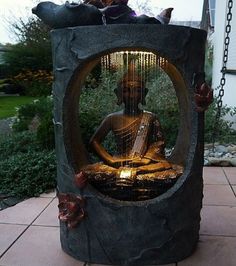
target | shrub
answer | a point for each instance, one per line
(26, 169)
(42, 108)
(28, 174)
(27, 112)
(30, 56)
(33, 50)
(34, 83)
(225, 133)
(30, 60)
(45, 132)
(162, 100)
(208, 62)
(4, 71)
(95, 104)
(22, 142)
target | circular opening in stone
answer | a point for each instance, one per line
(129, 121)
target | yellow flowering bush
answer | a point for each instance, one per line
(35, 83)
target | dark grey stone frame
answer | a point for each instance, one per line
(157, 231)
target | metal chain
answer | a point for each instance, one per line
(223, 70)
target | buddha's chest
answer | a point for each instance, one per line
(125, 134)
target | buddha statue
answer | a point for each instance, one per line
(140, 142)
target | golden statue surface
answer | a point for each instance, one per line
(139, 139)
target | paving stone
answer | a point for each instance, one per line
(218, 195)
(38, 246)
(214, 176)
(231, 174)
(9, 233)
(234, 188)
(24, 212)
(218, 220)
(49, 216)
(213, 251)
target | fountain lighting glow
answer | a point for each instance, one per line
(126, 176)
(144, 62)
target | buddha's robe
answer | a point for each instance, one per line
(158, 168)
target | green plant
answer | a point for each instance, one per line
(45, 132)
(208, 62)
(33, 50)
(162, 100)
(36, 88)
(42, 108)
(26, 169)
(34, 83)
(27, 112)
(21, 142)
(225, 133)
(95, 104)
(28, 174)
(4, 71)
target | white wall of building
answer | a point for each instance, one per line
(218, 43)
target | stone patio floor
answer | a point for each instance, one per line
(29, 232)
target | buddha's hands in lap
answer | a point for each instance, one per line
(140, 161)
(117, 161)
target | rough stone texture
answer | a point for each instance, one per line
(157, 231)
(5, 126)
(221, 155)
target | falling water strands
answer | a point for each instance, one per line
(147, 64)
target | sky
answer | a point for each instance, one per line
(11, 10)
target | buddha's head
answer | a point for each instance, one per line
(131, 88)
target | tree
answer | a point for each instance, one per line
(33, 51)
(142, 7)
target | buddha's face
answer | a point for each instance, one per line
(132, 93)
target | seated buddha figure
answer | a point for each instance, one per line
(139, 139)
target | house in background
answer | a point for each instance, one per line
(214, 20)
(208, 16)
(190, 23)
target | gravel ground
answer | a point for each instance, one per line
(5, 126)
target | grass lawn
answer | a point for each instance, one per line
(8, 104)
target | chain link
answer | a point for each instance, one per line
(223, 70)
